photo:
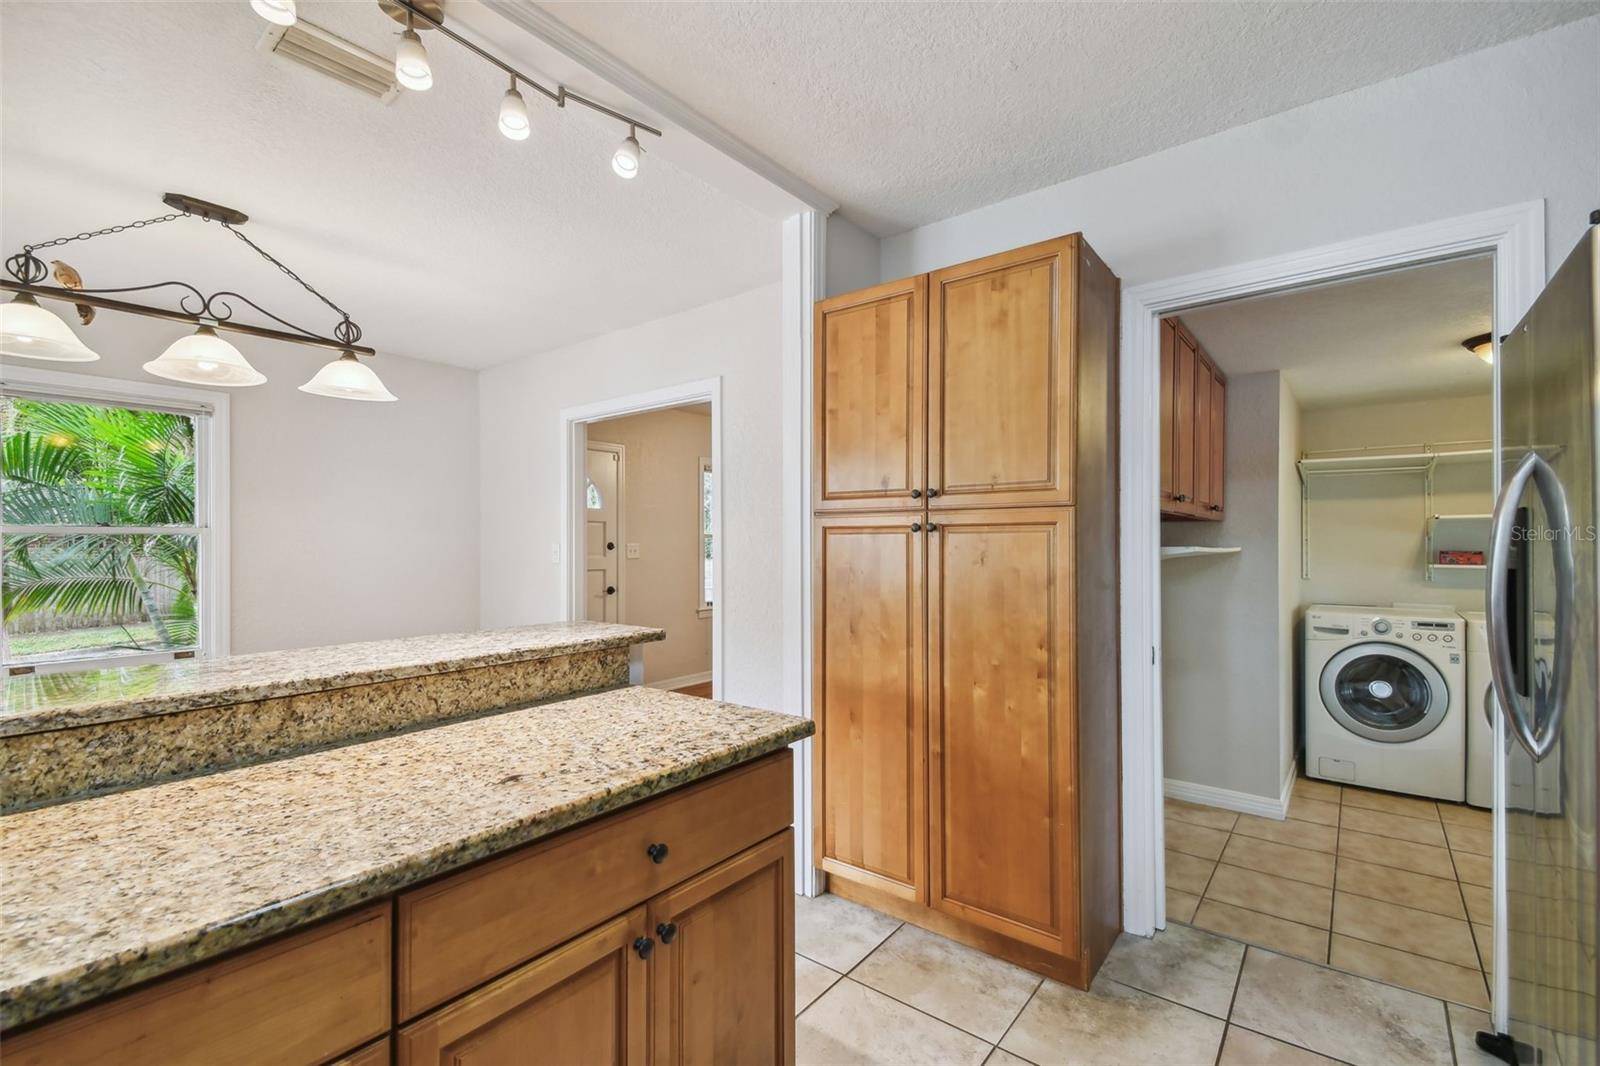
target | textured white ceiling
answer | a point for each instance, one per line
(907, 113)
(443, 239)
(1384, 337)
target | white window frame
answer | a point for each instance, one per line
(212, 436)
(703, 606)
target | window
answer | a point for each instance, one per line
(707, 486)
(107, 554)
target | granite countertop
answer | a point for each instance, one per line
(33, 703)
(100, 894)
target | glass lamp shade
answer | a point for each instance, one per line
(411, 67)
(277, 12)
(626, 160)
(31, 332)
(203, 358)
(514, 116)
(348, 378)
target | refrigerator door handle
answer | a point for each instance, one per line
(1538, 737)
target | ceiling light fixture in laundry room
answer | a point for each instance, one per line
(413, 71)
(1481, 346)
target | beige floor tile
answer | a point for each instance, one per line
(1461, 814)
(1401, 854)
(957, 984)
(1339, 1014)
(1252, 927)
(1001, 1057)
(1405, 929)
(1305, 788)
(1484, 936)
(1313, 810)
(1470, 839)
(1188, 873)
(1194, 839)
(811, 979)
(836, 932)
(1474, 869)
(853, 1024)
(1443, 980)
(1399, 826)
(1199, 814)
(1464, 1026)
(1111, 1023)
(1410, 806)
(1243, 1047)
(1297, 834)
(1480, 903)
(1437, 894)
(1180, 905)
(1180, 963)
(1269, 894)
(1297, 864)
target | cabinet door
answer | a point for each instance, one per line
(1003, 842)
(870, 399)
(1169, 342)
(868, 691)
(581, 1003)
(1001, 377)
(1219, 436)
(1200, 445)
(1184, 360)
(722, 990)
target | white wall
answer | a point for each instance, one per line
(349, 521)
(738, 339)
(1501, 126)
(661, 515)
(851, 256)
(1289, 529)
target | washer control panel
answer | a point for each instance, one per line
(1411, 630)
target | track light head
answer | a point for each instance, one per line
(514, 114)
(277, 12)
(411, 67)
(626, 159)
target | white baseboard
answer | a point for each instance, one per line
(1229, 800)
(681, 682)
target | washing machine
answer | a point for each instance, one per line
(1384, 694)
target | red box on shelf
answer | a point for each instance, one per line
(1450, 557)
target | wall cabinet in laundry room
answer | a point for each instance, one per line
(1194, 409)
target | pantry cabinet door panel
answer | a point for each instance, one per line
(868, 693)
(1184, 365)
(1219, 435)
(1169, 343)
(1001, 378)
(1002, 772)
(871, 399)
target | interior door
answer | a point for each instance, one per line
(1001, 723)
(723, 987)
(870, 394)
(602, 512)
(1001, 378)
(868, 693)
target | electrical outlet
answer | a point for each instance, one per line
(633, 551)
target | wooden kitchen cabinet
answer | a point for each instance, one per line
(1193, 427)
(869, 677)
(723, 978)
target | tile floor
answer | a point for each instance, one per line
(1391, 887)
(871, 990)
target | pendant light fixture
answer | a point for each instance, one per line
(277, 12)
(203, 357)
(1481, 346)
(29, 331)
(347, 378)
(626, 160)
(514, 113)
(411, 66)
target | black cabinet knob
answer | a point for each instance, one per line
(932, 493)
(644, 946)
(611, 546)
(916, 527)
(933, 527)
(1180, 498)
(657, 853)
(611, 590)
(666, 931)
(916, 494)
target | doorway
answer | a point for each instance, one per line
(605, 478)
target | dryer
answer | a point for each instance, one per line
(1384, 695)
(1481, 709)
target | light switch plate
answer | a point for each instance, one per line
(633, 551)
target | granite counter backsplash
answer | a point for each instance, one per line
(101, 894)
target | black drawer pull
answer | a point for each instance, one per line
(666, 931)
(644, 946)
(657, 853)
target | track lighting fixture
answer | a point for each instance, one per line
(411, 67)
(204, 357)
(514, 113)
(626, 160)
(277, 12)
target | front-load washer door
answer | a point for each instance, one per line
(1384, 692)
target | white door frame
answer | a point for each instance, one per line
(581, 556)
(574, 450)
(1514, 234)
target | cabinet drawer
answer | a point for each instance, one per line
(457, 932)
(301, 1000)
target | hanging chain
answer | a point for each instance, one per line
(263, 253)
(29, 249)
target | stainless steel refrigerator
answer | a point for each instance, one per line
(1545, 657)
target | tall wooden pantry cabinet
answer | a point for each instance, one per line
(965, 603)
